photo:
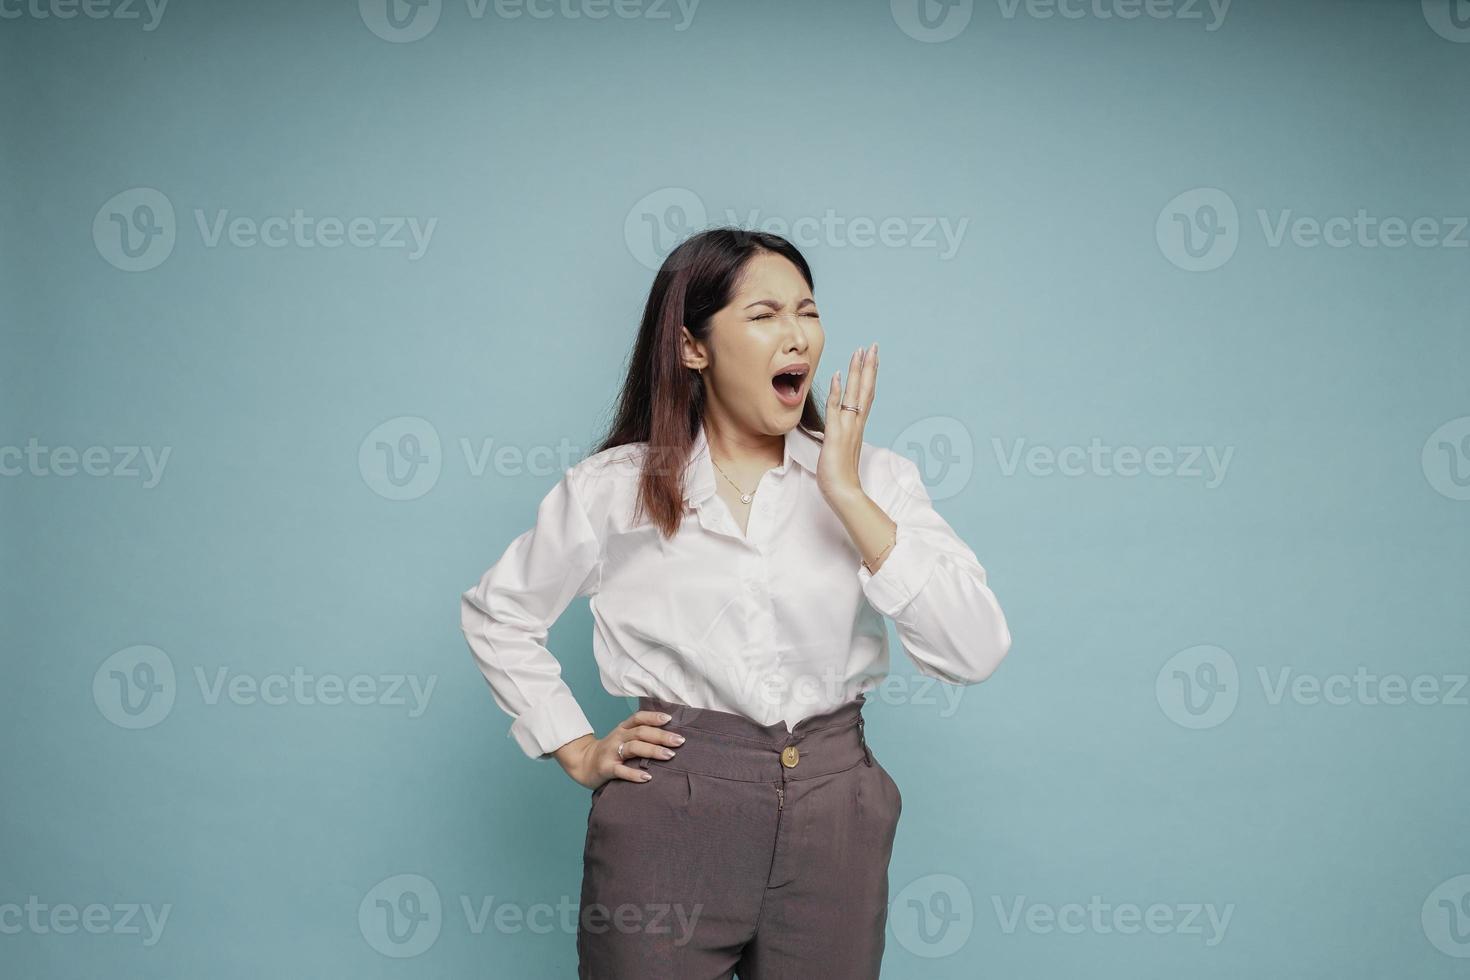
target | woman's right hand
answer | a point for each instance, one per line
(594, 761)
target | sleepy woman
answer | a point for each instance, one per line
(740, 549)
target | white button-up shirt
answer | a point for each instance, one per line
(776, 624)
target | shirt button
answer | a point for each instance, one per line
(752, 587)
(790, 756)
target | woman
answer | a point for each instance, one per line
(740, 551)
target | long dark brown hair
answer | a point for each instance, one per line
(663, 402)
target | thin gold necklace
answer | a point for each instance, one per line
(745, 498)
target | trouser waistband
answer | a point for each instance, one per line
(732, 746)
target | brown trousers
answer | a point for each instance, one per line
(742, 856)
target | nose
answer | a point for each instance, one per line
(795, 320)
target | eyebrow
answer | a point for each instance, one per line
(776, 306)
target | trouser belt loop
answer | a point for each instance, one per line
(867, 755)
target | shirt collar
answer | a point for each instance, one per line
(699, 473)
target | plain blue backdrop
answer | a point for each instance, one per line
(306, 305)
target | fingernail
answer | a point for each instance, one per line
(678, 739)
(664, 717)
(669, 753)
(647, 776)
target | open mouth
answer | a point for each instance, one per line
(789, 383)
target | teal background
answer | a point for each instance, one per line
(1337, 539)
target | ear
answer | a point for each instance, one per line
(692, 351)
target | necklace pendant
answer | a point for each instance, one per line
(745, 498)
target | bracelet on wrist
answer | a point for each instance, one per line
(869, 565)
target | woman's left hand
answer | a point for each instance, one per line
(837, 466)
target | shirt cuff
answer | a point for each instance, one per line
(903, 573)
(549, 725)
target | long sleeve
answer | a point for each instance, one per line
(506, 618)
(934, 589)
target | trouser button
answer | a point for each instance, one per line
(790, 756)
